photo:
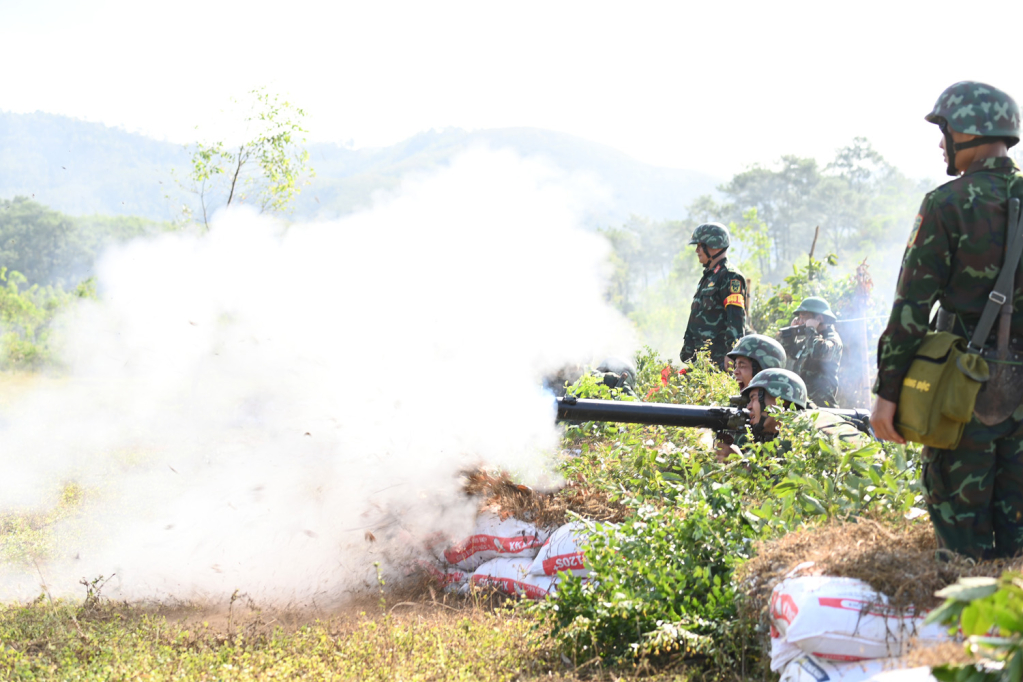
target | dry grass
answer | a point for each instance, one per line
(901, 562)
(501, 495)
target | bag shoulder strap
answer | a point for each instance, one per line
(1005, 284)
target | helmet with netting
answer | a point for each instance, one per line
(711, 235)
(780, 383)
(764, 350)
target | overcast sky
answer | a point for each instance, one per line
(712, 86)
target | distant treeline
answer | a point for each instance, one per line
(50, 248)
(863, 206)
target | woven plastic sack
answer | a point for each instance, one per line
(495, 537)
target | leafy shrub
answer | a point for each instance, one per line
(662, 581)
(989, 612)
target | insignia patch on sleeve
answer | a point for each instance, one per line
(736, 286)
(736, 299)
(916, 228)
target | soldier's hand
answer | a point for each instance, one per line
(795, 322)
(882, 420)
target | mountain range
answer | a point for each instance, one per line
(83, 168)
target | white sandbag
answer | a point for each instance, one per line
(511, 576)
(842, 619)
(562, 552)
(452, 580)
(812, 669)
(494, 537)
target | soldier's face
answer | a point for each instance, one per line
(701, 253)
(964, 157)
(742, 371)
(771, 425)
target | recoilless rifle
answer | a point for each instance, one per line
(720, 419)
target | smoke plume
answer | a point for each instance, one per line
(244, 406)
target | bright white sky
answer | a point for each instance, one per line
(704, 85)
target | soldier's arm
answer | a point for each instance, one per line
(926, 267)
(735, 309)
(821, 347)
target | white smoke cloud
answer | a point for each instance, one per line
(243, 406)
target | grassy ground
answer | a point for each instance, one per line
(407, 641)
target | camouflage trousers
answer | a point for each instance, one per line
(974, 493)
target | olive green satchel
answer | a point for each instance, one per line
(939, 392)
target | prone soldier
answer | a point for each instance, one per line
(753, 354)
(781, 387)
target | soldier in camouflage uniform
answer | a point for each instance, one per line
(816, 353)
(784, 388)
(974, 493)
(753, 354)
(718, 314)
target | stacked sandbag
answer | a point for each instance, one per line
(493, 538)
(512, 556)
(823, 623)
(808, 668)
(451, 580)
(512, 577)
(562, 553)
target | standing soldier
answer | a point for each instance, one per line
(815, 349)
(718, 315)
(974, 492)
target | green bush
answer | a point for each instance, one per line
(661, 583)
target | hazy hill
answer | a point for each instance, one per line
(83, 168)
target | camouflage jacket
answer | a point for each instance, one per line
(718, 314)
(954, 254)
(816, 359)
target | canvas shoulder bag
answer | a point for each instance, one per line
(939, 393)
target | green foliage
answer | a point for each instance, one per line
(48, 247)
(989, 612)
(265, 170)
(662, 581)
(26, 317)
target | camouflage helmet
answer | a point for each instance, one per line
(766, 351)
(780, 383)
(975, 108)
(817, 306)
(711, 235)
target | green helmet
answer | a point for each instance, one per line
(765, 350)
(975, 108)
(780, 383)
(817, 306)
(712, 235)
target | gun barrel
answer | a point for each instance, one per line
(858, 417)
(663, 414)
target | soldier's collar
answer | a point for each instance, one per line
(712, 267)
(1002, 163)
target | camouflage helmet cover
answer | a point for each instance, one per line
(976, 108)
(765, 350)
(817, 306)
(780, 383)
(713, 235)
